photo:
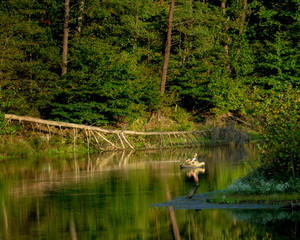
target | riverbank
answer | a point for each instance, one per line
(219, 200)
(258, 189)
(203, 201)
(26, 140)
(13, 146)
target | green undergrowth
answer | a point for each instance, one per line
(24, 146)
(254, 136)
(260, 186)
(18, 141)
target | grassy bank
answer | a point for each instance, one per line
(24, 140)
(24, 145)
(261, 186)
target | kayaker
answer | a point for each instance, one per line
(194, 160)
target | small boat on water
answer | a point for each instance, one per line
(192, 164)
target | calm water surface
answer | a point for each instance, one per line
(110, 196)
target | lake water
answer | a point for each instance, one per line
(111, 195)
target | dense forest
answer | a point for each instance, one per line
(101, 62)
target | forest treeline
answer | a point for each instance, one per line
(225, 56)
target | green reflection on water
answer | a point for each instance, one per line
(109, 196)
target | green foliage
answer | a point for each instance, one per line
(228, 95)
(276, 43)
(2, 122)
(115, 59)
(111, 90)
(182, 118)
(29, 56)
(280, 130)
(5, 127)
(195, 52)
(279, 63)
(16, 147)
(259, 185)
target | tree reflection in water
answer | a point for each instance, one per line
(109, 196)
(274, 223)
(193, 174)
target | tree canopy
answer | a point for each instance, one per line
(226, 56)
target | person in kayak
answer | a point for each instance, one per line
(194, 160)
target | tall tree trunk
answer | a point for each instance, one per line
(241, 29)
(65, 39)
(228, 68)
(80, 18)
(168, 48)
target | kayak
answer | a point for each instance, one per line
(190, 164)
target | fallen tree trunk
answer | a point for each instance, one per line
(92, 128)
(107, 139)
